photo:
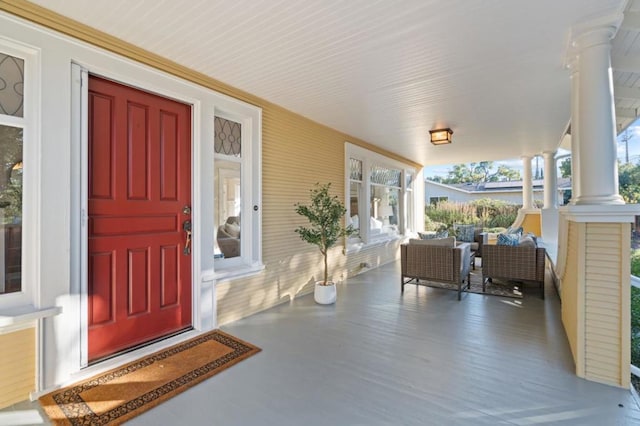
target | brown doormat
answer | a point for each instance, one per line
(127, 391)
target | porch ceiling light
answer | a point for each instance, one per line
(441, 136)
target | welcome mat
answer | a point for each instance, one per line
(127, 391)
(495, 288)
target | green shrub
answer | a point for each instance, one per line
(635, 326)
(635, 262)
(484, 212)
(430, 225)
(635, 310)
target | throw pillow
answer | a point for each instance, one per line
(375, 223)
(526, 241)
(519, 230)
(232, 229)
(355, 222)
(465, 233)
(508, 239)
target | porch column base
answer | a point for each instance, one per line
(596, 292)
(613, 199)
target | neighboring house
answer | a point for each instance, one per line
(510, 191)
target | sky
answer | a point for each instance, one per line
(516, 163)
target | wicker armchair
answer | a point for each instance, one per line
(436, 263)
(524, 264)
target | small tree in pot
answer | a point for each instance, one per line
(325, 213)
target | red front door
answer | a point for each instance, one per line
(139, 199)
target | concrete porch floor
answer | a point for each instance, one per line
(378, 357)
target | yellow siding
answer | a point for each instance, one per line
(17, 366)
(570, 291)
(606, 303)
(531, 223)
(296, 154)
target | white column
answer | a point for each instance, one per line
(527, 183)
(550, 180)
(575, 130)
(597, 156)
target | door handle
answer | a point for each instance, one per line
(186, 226)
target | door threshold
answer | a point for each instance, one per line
(140, 346)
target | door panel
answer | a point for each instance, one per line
(139, 182)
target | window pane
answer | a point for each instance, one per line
(11, 209)
(355, 169)
(384, 211)
(409, 180)
(228, 137)
(354, 205)
(227, 205)
(385, 176)
(11, 85)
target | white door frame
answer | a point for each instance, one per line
(79, 195)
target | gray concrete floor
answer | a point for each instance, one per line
(379, 357)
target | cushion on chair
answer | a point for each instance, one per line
(508, 240)
(465, 233)
(432, 235)
(440, 242)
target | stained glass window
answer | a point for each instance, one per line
(11, 85)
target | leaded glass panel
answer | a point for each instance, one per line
(11, 85)
(228, 137)
(355, 169)
(385, 176)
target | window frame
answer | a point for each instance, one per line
(368, 159)
(30, 124)
(250, 259)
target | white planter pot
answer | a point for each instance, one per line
(325, 294)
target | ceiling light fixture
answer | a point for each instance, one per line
(441, 136)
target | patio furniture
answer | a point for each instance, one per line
(477, 240)
(513, 263)
(432, 260)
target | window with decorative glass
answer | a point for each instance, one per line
(355, 195)
(381, 197)
(12, 125)
(227, 188)
(385, 205)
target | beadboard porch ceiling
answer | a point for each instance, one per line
(388, 71)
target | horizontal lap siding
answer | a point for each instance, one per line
(296, 153)
(17, 366)
(603, 302)
(570, 288)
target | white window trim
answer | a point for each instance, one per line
(30, 123)
(368, 159)
(250, 260)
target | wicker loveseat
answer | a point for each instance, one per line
(421, 261)
(513, 263)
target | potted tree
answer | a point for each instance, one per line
(324, 213)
